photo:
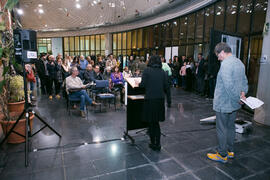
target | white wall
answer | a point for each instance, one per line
(57, 46)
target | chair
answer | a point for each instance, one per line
(101, 92)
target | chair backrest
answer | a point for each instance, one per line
(102, 83)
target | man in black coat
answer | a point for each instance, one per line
(41, 66)
(200, 74)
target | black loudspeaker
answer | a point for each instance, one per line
(25, 45)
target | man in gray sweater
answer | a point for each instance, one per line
(231, 86)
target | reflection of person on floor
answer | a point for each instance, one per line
(74, 83)
(155, 82)
(231, 85)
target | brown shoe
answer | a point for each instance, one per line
(95, 103)
(82, 114)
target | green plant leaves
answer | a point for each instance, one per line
(2, 26)
(10, 4)
(5, 70)
(2, 83)
(1, 52)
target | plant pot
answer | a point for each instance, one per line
(16, 106)
(20, 128)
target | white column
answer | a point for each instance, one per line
(108, 43)
(262, 115)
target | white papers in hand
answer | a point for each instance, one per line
(253, 102)
(134, 81)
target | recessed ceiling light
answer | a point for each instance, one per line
(46, 25)
(78, 6)
(77, 0)
(40, 11)
(40, 5)
(95, 2)
(20, 11)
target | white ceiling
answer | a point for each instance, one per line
(53, 15)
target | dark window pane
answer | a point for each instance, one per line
(139, 38)
(199, 26)
(124, 40)
(156, 35)
(245, 9)
(114, 41)
(231, 15)
(175, 32)
(145, 37)
(181, 51)
(219, 18)
(190, 51)
(183, 30)
(129, 40)
(119, 41)
(151, 36)
(134, 38)
(191, 28)
(260, 8)
(209, 18)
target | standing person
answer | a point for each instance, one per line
(41, 66)
(168, 71)
(231, 86)
(155, 82)
(200, 74)
(82, 66)
(118, 82)
(53, 82)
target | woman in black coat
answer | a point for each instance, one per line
(155, 82)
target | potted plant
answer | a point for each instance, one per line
(11, 85)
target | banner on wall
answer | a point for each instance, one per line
(168, 53)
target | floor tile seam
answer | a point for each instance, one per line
(255, 157)
(258, 173)
(223, 172)
(118, 171)
(63, 163)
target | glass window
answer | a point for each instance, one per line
(181, 51)
(156, 35)
(175, 32)
(219, 17)
(183, 30)
(199, 26)
(77, 44)
(151, 36)
(98, 43)
(245, 9)
(102, 41)
(134, 38)
(124, 37)
(129, 40)
(231, 15)
(92, 43)
(145, 37)
(114, 41)
(82, 43)
(139, 37)
(71, 43)
(167, 34)
(209, 18)
(190, 51)
(191, 28)
(87, 43)
(119, 41)
(66, 46)
(260, 8)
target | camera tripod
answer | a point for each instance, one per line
(27, 110)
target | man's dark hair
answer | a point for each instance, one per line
(154, 61)
(200, 54)
(222, 47)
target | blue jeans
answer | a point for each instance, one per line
(83, 97)
(225, 131)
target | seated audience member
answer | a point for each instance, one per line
(118, 82)
(107, 73)
(74, 62)
(97, 74)
(137, 73)
(88, 74)
(127, 72)
(74, 83)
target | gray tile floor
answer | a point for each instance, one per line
(183, 154)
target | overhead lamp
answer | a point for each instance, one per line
(95, 2)
(40, 11)
(77, 0)
(20, 11)
(40, 5)
(78, 6)
(233, 12)
(218, 13)
(46, 25)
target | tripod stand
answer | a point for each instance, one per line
(26, 111)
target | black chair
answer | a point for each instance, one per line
(72, 100)
(101, 92)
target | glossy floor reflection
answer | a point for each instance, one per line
(183, 154)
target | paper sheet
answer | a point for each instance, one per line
(132, 81)
(253, 102)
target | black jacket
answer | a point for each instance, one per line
(40, 68)
(88, 76)
(155, 82)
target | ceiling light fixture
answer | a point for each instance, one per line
(218, 13)
(95, 2)
(40, 11)
(20, 11)
(233, 12)
(78, 6)
(46, 25)
(77, 0)
(40, 5)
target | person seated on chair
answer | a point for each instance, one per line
(88, 74)
(74, 83)
(97, 74)
(118, 82)
(137, 73)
